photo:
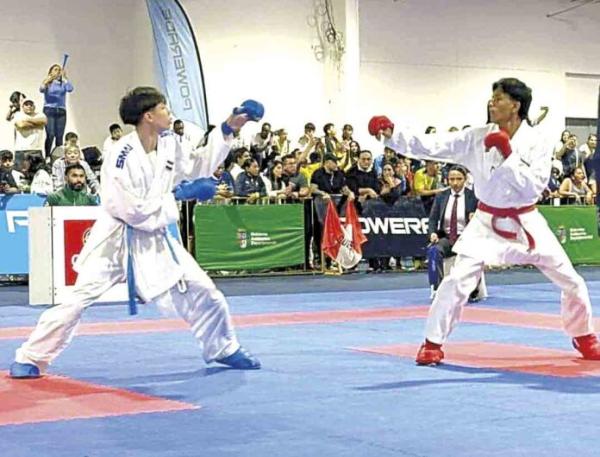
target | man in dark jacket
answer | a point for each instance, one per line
(451, 212)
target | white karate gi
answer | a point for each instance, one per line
(138, 193)
(512, 183)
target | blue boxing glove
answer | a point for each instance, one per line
(255, 110)
(199, 189)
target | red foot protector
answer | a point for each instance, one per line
(54, 398)
(504, 357)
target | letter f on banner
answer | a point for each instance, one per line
(178, 62)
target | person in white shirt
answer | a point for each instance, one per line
(116, 132)
(510, 163)
(29, 129)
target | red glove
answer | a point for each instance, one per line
(499, 140)
(378, 123)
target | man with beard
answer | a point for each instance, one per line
(73, 193)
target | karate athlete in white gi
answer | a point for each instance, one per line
(510, 164)
(138, 176)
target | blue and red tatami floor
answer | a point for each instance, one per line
(338, 379)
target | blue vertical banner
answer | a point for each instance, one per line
(178, 61)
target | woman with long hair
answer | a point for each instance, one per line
(55, 87)
(575, 189)
(274, 180)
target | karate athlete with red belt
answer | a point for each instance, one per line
(510, 163)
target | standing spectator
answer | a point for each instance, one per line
(403, 173)
(29, 130)
(353, 152)
(249, 183)
(73, 193)
(8, 184)
(36, 175)
(387, 156)
(589, 149)
(282, 142)
(570, 156)
(15, 99)
(55, 87)
(116, 132)
(560, 146)
(260, 146)
(73, 156)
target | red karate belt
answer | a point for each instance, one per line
(510, 213)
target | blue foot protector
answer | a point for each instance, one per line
(24, 371)
(241, 360)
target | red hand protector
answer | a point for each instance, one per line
(378, 123)
(500, 140)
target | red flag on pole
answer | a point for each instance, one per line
(343, 243)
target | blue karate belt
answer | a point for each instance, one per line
(131, 303)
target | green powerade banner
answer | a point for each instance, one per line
(576, 227)
(249, 237)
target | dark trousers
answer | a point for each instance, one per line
(55, 128)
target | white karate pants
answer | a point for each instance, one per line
(202, 306)
(550, 259)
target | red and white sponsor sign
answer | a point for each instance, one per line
(76, 233)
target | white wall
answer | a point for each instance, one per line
(96, 35)
(433, 61)
(429, 61)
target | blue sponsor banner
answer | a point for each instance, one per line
(178, 61)
(14, 232)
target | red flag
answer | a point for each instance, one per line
(358, 237)
(333, 235)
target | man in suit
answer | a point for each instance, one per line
(451, 211)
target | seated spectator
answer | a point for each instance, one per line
(240, 157)
(7, 163)
(390, 186)
(223, 182)
(276, 186)
(403, 173)
(426, 184)
(575, 190)
(73, 193)
(329, 180)
(71, 139)
(249, 183)
(296, 183)
(362, 178)
(36, 176)
(388, 155)
(73, 156)
(313, 164)
(116, 132)
(29, 130)
(551, 191)
(8, 184)
(451, 212)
